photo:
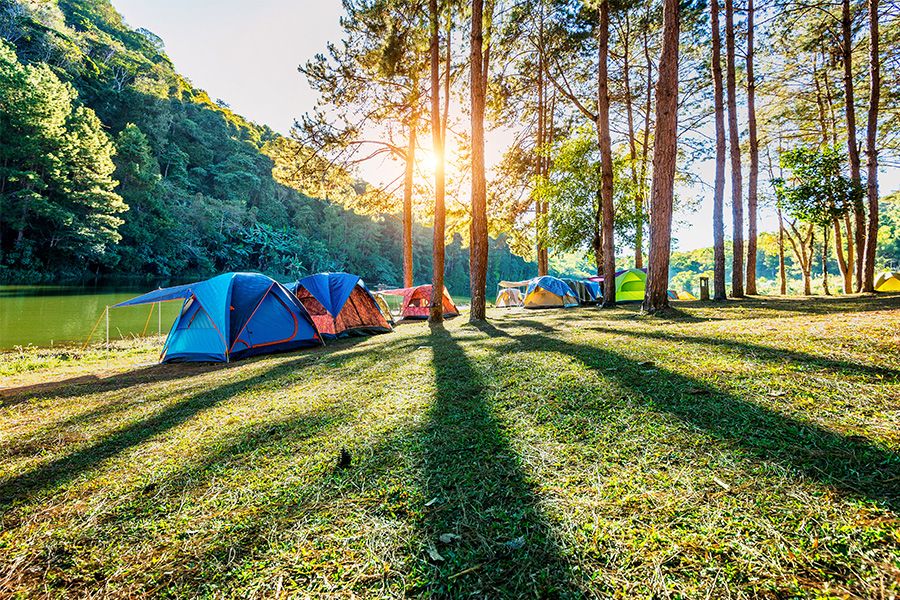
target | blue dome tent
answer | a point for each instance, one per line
(339, 305)
(549, 292)
(232, 316)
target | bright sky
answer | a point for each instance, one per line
(247, 55)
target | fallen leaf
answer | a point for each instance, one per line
(698, 392)
(515, 544)
(433, 553)
(432, 502)
(722, 484)
(448, 538)
(777, 393)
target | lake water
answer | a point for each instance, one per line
(45, 315)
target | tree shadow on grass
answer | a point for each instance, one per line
(766, 353)
(506, 547)
(66, 468)
(853, 465)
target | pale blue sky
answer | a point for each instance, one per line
(247, 53)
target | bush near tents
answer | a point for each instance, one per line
(232, 316)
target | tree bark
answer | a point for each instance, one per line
(782, 271)
(754, 158)
(868, 282)
(846, 273)
(664, 155)
(478, 233)
(632, 148)
(852, 148)
(542, 257)
(737, 208)
(407, 203)
(437, 278)
(606, 167)
(719, 292)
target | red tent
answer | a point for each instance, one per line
(416, 301)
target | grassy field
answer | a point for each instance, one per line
(746, 450)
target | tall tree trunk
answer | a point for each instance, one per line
(825, 260)
(632, 148)
(645, 146)
(782, 271)
(542, 258)
(868, 283)
(846, 273)
(851, 251)
(606, 166)
(719, 292)
(664, 155)
(478, 233)
(407, 203)
(852, 148)
(754, 158)
(437, 278)
(737, 208)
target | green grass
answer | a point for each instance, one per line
(745, 450)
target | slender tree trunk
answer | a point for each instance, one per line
(851, 247)
(846, 274)
(437, 278)
(645, 146)
(407, 204)
(868, 283)
(754, 157)
(632, 148)
(828, 99)
(823, 123)
(825, 261)
(719, 292)
(478, 231)
(606, 167)
(852, 148)
(664, 155)
(782, 271)
(737, 208)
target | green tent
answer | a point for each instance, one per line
(630, 285)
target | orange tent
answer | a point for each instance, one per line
(416, 302)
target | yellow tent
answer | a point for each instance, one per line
(888, 282)
(686, 296)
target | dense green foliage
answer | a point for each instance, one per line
(114, 164)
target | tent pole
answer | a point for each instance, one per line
(107, 336)
(158, 319)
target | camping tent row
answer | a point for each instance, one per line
(236, 315)
(549, 292)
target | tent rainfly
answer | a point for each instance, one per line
(888, 282)
(415, 302)
(340, 305)
(549, 292)
(581, 291)
(232, 316)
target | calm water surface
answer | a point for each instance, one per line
(45, 315)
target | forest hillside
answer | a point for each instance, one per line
(113, 163)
